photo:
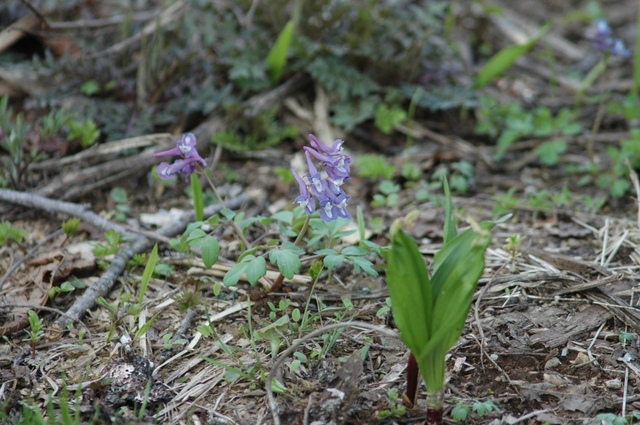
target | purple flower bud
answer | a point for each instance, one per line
(335, 149)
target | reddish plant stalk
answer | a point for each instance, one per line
(412, 381)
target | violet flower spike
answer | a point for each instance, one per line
(324, 188)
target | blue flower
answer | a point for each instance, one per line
(186, 164)
(324, 187)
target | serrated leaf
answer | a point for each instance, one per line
(288, 263)
(332, 260)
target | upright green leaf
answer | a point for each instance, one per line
(278, 55)
(148, 271)
(503, 60)
(450, 230)
(410, 290)
(198, 203)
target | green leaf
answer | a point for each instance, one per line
(503, 60)
(460, 412)
(146, 325)
(278, 55)
(549, 152)
(287, 261)
(457, 268)
(450, 230)
(148, 272)
(198, 203)
(332, 260)
(210, 250)
(256, 268)
(410, 290)
(386, 118)
(234, 274)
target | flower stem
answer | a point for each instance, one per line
(278, 282)
(236, 229)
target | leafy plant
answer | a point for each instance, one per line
(430, 309)
(37, 331)
(9, 231)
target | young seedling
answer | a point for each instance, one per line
(36, 333)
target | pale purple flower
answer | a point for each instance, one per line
(186, 164)
(325, 187)
(305, 200)
(604, 41)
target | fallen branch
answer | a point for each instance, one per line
(139, 242)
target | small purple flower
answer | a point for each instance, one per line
(305, 200)
(186, 165)
(602, 40)
(325, 187)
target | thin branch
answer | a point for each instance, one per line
(50, 309)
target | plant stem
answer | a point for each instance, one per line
(435, 406)
(236, 229)
(591, 151)
(278, 283)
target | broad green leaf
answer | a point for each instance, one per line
(460, 265)
(256, 268)
(278, 55)
(210, 250)
(410, 290)
(195, 238)
(332, 260)
(234, 274)
(503, 60)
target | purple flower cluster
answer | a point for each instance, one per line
(324, 188)
(603, 40)
(186, 164)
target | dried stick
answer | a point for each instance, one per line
(140, 244)
(47, 204)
